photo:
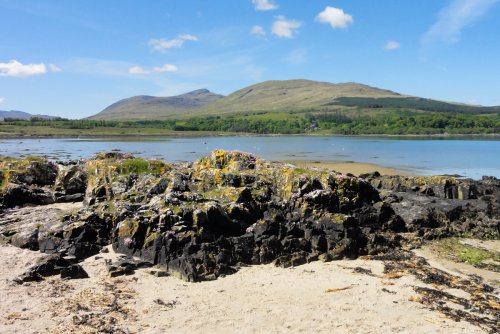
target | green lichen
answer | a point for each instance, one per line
(128, 228)
(10, 166)
(150, 239)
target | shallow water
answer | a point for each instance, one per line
(466, 157)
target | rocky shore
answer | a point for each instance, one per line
(230, 209)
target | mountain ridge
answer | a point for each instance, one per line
(144, 106)
(17, 114)
(289, 96)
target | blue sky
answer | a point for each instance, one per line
(74, 58)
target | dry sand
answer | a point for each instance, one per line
(355, 168)
(257, 299)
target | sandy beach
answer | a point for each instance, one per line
(317, 297)
(355, 168)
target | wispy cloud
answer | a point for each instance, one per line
(2, 99)
(162, 45)
(138, 70)
(336, 17)
(258, 31)
(392, 45)
(265, 4)
(285, 28)
(165, 68)
(17, 69)
(54, 68)
(452, 19)
(115, 68)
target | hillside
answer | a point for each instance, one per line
(21, 115)
(266, 96)
(302, 106)
(290, 95)
(150, 107)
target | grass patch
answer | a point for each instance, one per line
(453, 250)
(141, 166)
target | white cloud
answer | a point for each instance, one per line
(2, 99)
(336, 17)
(258, 31)
(54, 68)
(137, 70)
(265, 4)
(16, 69)
(188, 37)
(165, 68)
(392, 45)
(285, 28)
(165, 44)
(452, 19)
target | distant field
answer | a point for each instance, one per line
(343, 121)
(98, 131)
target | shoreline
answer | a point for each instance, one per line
(352, 163)
(194, 134)
(353, 167)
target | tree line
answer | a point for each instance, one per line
(391, 122)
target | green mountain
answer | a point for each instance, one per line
(151, 107)
(290, 95)
(280, 98)
(280, 107)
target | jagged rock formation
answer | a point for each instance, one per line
(203, 220)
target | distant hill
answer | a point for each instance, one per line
(21, 115)
(150, 107)
(290, 95)
(284, 97)
(415, 103)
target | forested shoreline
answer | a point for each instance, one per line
(386, 123)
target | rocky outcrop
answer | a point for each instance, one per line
(204, 220)
(35, 180)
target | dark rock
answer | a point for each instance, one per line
(73, 180)
(40, 173)
(291, 260)
(204, 220)
(71, 198)
(74, 271)
(124, 266)
(18, 195)
(46, 266)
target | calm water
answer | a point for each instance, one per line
(470, 158)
